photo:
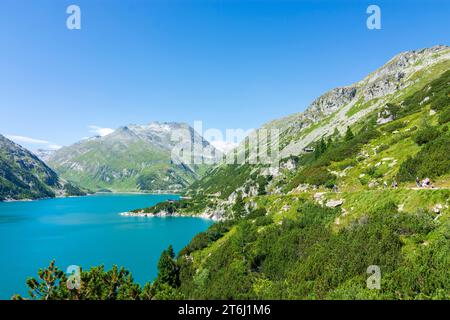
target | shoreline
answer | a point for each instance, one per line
(87, 195)
(140, 192)
(39, 199)
(141, 214)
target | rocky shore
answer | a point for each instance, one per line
(163, 214)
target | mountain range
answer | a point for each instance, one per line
(363, 184)
(147, 157)
(403, 86)
(142, 157)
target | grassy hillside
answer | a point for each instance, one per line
(301, 255)
(311, 230)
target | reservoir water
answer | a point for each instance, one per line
(86, 231)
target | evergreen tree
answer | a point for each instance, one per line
(46, 288)
(329, 142)
(393, 110)
(336, 133)
(95, 284)
(167, 268)
(239, 206)
(320, 148)
(262, 184)
(349, 134)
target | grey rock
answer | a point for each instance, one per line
(334, 203)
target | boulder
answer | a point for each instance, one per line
(373, 184)
(438, 208)
(318, 195)
(334, 203)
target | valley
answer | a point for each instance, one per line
(362, 179)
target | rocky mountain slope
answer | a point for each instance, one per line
(402, 87)
(44, 154)
(344, 106)
(320, 225)
(152, 157)
(372, 189)
(25, 176)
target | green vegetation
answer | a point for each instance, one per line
(394, 126)
(444, 117)
(436, 94)
(318, 263)
(96, 284)
(100, 284)
(315, 171)
(349, 134)
(432, 161)
(24, 176)
(316, 176)
(282, 240)
(360, 105)
(426, 135)
(223, 180)
(204, 239)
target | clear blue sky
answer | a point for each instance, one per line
(231, 64)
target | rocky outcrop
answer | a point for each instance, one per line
(334, 203)
(216, 216)
(333, 107)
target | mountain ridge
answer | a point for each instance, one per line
(406, 75)
(136, 158)
(373, 194)
(383, 81)
(24, 176)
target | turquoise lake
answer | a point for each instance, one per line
(86, 231)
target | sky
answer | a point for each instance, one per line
(230, 64)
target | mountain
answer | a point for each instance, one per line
(24, 176)
(344, 106)
(44, 154)
(405, 76)
(356, 207)
(152, 157)
(363, 184)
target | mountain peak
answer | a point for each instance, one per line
(133, 157)
(343, 106)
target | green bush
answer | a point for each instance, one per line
(432, 161)
(315, 176)
(444, 117)
(391, 127)
(437, 92)
(204, 239)
(426, 135)
(260, 212)
(303, 258)
(263, 221)
(441, 102)
(382, 148)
